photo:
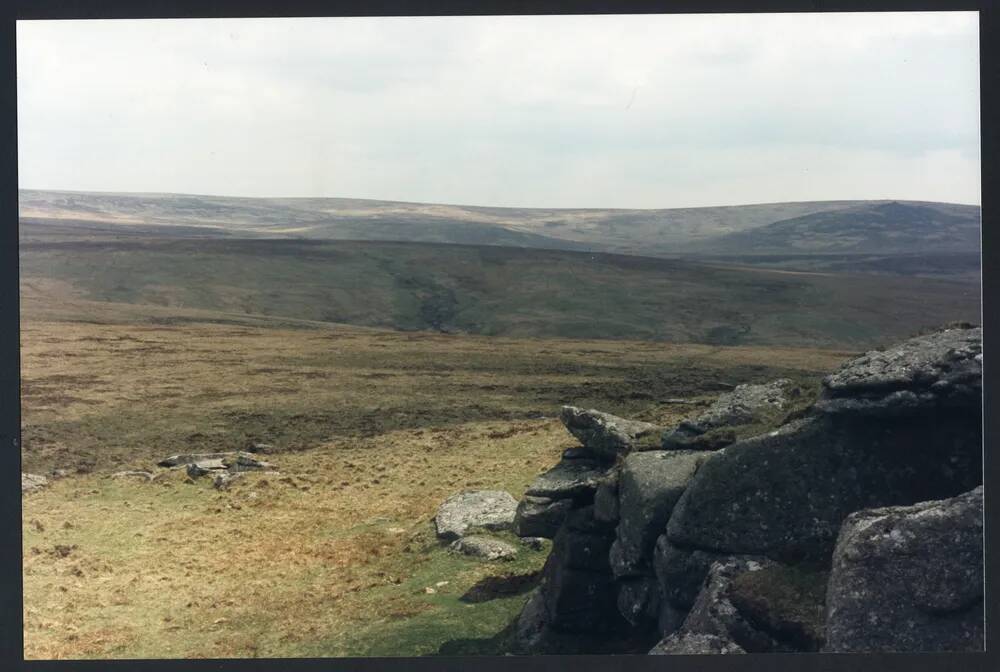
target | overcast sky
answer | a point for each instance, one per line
(604, 111)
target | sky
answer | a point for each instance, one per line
(653, 111)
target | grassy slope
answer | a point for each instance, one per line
(334, 555)
(502, 291)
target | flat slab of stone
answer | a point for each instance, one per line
(484, 548)
(607, 435)
(939, 369)
(32, 482)
(540, 516)
(192, 458)
(909, 579)
(487, 509)
(568, 479)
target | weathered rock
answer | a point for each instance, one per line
(582, 550)
(534, 543)
(32, 482)
(746, 404)
(142, 475)
(608, 435)
(225, 479)
(202, 467)
(936, 370)
(485, 548)
(606, 498)
(531, 625)
(681, 572)
(786, 603)
(569, 479)
(244, 462)
(639, 601)
(650, 485)
(579, 600)
(487, 509)
(540, 516)
(258, 447)
(624, 565)
(713, 612)
(909, 578)
(577, 454)
(192, 458)
(688, 643)
(785, 494)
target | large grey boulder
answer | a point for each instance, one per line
(935, 370)
(746, 404)
(484, 548)
(32, 482)
(649, 485)
(607, 435)
(540, 516)
(487, 509)
(569, 479)
(909, 578)
(785, 494)
(579, 549)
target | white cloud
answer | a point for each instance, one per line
(629, 111)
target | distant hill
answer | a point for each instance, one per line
(490, 290)
(806, 227)
(869, 228)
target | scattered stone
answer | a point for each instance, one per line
(746, 404)
(487, 509)
(257, 447)
(569, 479)
(649, 486)
(936, 370)
(540, 516)
(224, 480)
(909, 578)
(686, 644)
(133, 474)
(244, 462)
(485, 548)
(32, 482)
(607, 435)
(191, 458)
(534, 543)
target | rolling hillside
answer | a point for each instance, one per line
(870, 228)
(496, 290)
(813, 227)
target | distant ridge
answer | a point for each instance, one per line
(882, 227)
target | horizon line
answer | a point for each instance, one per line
(471, 205)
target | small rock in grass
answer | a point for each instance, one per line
(485, 548)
